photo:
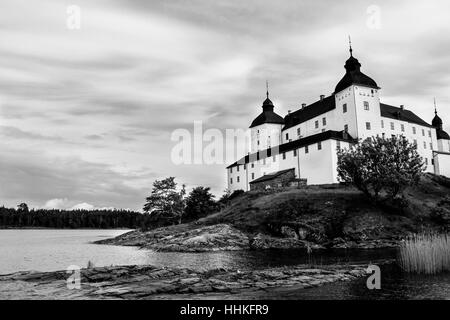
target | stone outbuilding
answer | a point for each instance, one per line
(274, 180)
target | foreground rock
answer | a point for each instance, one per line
(148, 282)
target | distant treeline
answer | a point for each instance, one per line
(72, 219)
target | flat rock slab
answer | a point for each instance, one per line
(148, 282)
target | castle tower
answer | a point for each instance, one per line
(266, 127)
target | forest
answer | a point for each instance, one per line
(71, 219)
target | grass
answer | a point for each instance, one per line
(426, 254)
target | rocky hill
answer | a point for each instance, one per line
(331, 216)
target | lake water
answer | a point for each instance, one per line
(51, 250)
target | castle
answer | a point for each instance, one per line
(303, 145)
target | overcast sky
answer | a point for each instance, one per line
(86, 115)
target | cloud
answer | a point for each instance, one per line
(56, 204)
(82, 206)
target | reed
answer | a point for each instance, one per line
(425, 253)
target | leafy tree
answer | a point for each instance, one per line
(165, 201)
(23, 207)
(379, 164)
(199, 203)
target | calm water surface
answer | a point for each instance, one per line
(50, 250)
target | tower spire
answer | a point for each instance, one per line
(267, 89)
(350, 46)
(435, 109)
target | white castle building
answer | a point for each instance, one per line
(305, 142)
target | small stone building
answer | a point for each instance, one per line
(274, 180)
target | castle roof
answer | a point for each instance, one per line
(311, 111)
(396, 113)
(353, 75)
(296, 144)
(441, 134)
(267, 115)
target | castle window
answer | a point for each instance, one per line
(319, 145)
(237, 179)
(431, 145)
(414, 130)
(298, 131)
(338, 145)
(253, 175)
(366, 105)
(432, 161)
(392, 126)
(317, 124)
(284, 155)
(231, 180)
(402, 126)
(237, 168)
(231, 170)
(258, 142)
(346, 128)
(245, 166)
(424, 145)
(426, 161)
(295, 152)
(344, 108)
(253, 165)
(324, 121)
(306, 149)
(382, 124)
(368, 125)
(429, 133)
(287, 136)
(383, 135)
(423, 132)
(415, 142)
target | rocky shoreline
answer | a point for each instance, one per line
(223, 237)
(149, 282)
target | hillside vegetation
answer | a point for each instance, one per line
(314, 217)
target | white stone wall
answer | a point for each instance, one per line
(317, 166)
(268, 135)
(442, 163)
(443, 145)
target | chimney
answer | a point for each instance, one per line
(303, 105)
(402, 107)
(322, 97)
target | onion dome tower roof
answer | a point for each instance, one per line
(267, 115)
(353, 75)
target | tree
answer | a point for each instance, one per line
(379, 164)
(165, 201)
(199, 203)
(23, 207)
